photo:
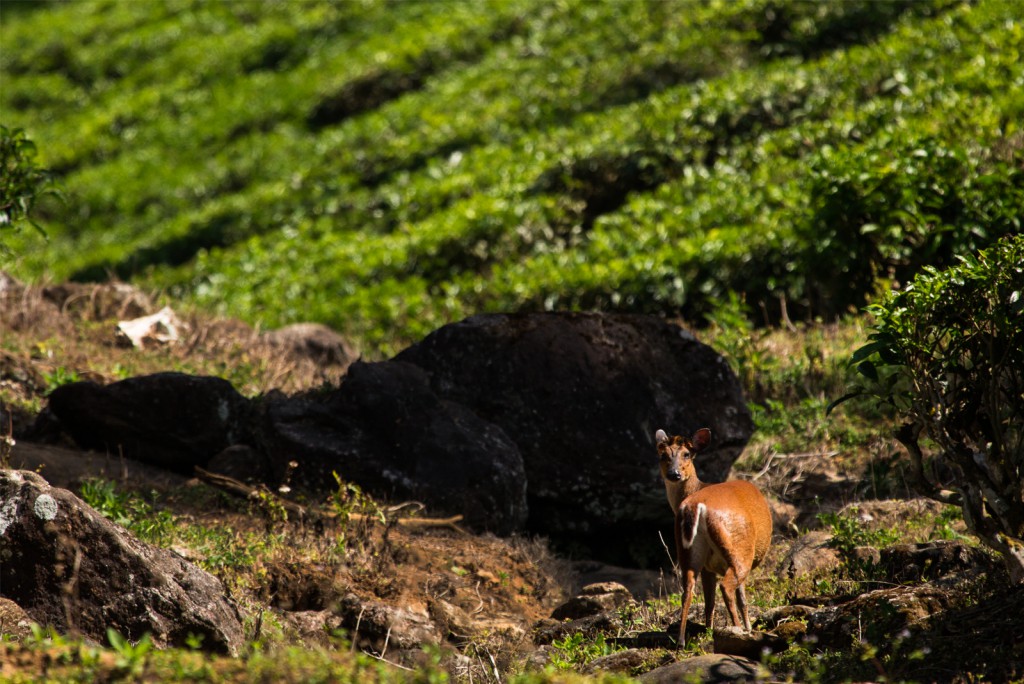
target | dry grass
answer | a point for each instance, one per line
(53, 334)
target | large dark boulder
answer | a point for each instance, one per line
(388, 431)
(69, 567)
(582, 396)
(538, 422)
(173, 420)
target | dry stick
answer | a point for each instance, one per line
(355, 632)
(771, 457)
(240, 489)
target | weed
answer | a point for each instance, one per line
(576, 650)
(58, 377)
(848, 532)
(139, 516)
(130, 657)
(356, 512)
(799, 664)
(944, 522)
(740, 343)
(7, 444)
(269, 506)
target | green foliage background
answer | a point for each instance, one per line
(387, 167)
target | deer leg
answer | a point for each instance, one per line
(741, 599)
(709, 581)
(689, 580)
(729, 585)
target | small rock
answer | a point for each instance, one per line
(773, 617)
(627, 660)
(788, 622)
(594, 599)
(640, 583)
(791, 631)
(539, 658)
(377, 626)
(313, 341)
(313, 627)
(592, 625)
(810, 555)
(454, 622)
(739, 642)
(14, 622)
(708, 669)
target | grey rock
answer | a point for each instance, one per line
(68, 566)
(594, 599)
(753, 644)
(708, 669)
(810, 555)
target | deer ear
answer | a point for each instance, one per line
(660, 437)
(701, 438)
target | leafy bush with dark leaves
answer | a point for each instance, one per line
(947, 353)
(21, 181)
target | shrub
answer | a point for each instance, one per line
(22, 183)
(947, 354)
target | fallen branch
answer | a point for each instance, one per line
(242, 490)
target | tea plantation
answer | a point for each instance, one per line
(387, 167)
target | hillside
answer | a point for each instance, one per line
(388, 167)
(755, 171)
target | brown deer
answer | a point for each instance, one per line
(722, 530)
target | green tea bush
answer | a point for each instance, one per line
(947, 354)
(387, 168)
(899, 203)
(22, 183)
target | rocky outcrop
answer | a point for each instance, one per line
(878, 616)
(173, 420)
(582, 395)
(388, 431)
(69, 567)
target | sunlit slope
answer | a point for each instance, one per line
(388, 167)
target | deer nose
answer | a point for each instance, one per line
(673, 475)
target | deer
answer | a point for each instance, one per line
(722, 530)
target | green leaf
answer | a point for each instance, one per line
(868, 370)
